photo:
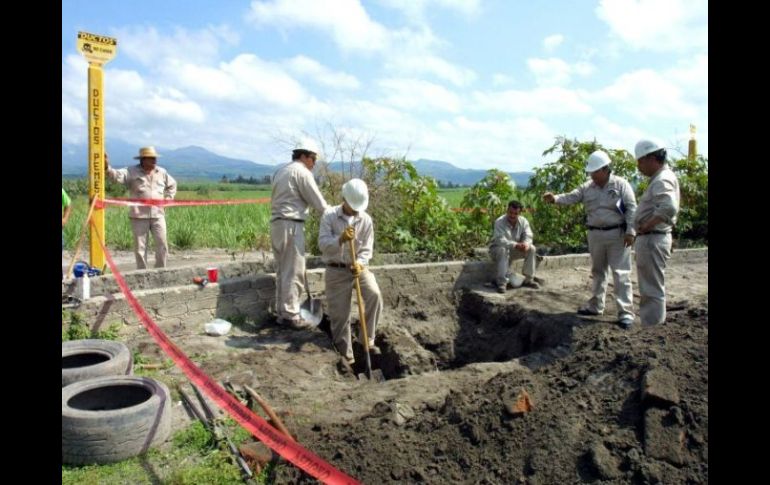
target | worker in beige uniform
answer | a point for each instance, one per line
(512, 240)
(610, 206)
(146, 181)
(339, 225)
(294, 189)
(655, 219)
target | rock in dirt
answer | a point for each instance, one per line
(659, 388)
(605, 465)
(663, 436)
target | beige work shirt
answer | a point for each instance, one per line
(294, 188)
(660, 199)
(506, 235)
(157, 184)
(333, 223)
(603, 204)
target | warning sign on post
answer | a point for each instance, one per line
(98, 49)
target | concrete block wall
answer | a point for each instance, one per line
(185, 308)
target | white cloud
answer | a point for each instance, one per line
(645, 94)
(161, 107)
(345, 20)
(556, 72)
(415, 10)
(546, 101)
(551, 42)
(151, 48)
(502, 79)
(419, 95)
(550, 72)
(661, 25)
(430, 64)
(313, 69)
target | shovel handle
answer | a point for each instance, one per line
(362, 318)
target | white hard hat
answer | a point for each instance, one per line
(356, 194)
(645, 147)
(308, 144)
(597, 160)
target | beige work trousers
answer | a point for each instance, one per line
(608, 251)
(503, 257)
(339, 289)
(652, 253)
(288, 240)
(141, 228)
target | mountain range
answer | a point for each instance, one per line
(197, 163)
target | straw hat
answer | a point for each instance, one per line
(147, 152)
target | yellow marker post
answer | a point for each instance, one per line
(692, 149)
(98, 50)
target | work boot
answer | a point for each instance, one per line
(501, 288)
(587, 311)
(626, 321)
(531, 284)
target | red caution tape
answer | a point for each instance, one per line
(101, 204)
(286, 447)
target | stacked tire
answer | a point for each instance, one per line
(108, 415)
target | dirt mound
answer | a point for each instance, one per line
(620, 406)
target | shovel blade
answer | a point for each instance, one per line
(311, 311)
(377, 376)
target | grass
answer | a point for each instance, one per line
(194, 457)
(453, 196)
(76, 329)
(239, 227)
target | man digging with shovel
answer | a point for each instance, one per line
(346, 230)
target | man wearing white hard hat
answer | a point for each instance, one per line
(294, 191)
(610, 206)
(339, 225)
(146, 181)
(655, 219)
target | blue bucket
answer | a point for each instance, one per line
(80, 268)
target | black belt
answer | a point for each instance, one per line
(595, 228)
(338, 265)
(301, 221)
(652, 232)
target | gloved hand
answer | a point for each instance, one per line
(357, 269)
(347, 235)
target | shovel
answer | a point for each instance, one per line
(377, 374)
(311, 309)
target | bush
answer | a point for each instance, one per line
(692, 221)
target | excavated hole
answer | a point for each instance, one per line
(473, 330)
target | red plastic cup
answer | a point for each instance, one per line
(213, 274)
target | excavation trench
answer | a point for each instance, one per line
(468, 330)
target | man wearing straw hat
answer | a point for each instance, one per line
(146, 181)
(339, 225)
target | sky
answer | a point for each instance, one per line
(476, 83)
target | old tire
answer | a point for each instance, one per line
(86, 359)
(113, 418)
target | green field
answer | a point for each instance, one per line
(453, 196)
(237, 227)
(229, 226)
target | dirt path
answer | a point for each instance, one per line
(457, 362)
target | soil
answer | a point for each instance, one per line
(608, 405)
